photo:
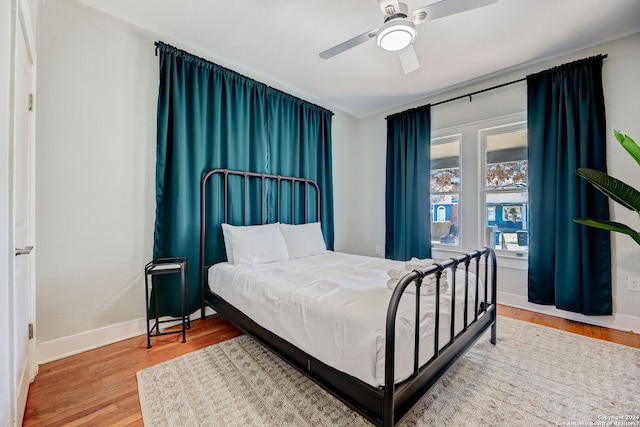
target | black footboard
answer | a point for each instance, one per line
(400, 398)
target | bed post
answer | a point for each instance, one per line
(201, 276)
(494, 291)
(388, 403)
(203, 183)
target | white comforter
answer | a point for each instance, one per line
(334, 306)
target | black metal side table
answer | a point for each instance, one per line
(161, 266)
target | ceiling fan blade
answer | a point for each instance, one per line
(329, 53)
(449, 7)
(409, 59)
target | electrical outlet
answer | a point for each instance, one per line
(633, 283)
(378, 252)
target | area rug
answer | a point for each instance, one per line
(534, 376)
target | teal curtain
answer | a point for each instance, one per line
(211, 117)
(569, 264)
(300, 145)
(407, 202)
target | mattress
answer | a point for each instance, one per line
(333, 306)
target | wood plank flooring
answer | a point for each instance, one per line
(99, 387)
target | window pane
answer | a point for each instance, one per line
(506, 161)
(506, 196)
(445, 188)
(444, 218)
(506, 215)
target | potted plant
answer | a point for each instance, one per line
(617, 190)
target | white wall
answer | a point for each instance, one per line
(621, 88)
(345, 164)
(97, 84)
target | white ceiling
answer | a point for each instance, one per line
(280, 40)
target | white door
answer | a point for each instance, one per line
(23, 211)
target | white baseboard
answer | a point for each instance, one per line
(622, 322)
(59, 348)
(48, 351)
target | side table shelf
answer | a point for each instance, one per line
(162, 266)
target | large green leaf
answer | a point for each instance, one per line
(622, 193)
(610, 226)
(630, 145)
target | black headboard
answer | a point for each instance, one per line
(249, 198)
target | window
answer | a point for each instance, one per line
(506, 196)
(445, 190)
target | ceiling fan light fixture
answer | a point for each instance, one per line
(396, 34)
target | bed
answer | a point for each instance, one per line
(348, 322)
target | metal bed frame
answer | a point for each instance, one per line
(388, 405)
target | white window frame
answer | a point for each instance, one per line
(482, 137)
(445, 140)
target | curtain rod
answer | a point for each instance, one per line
(470, 95)
(160, 44)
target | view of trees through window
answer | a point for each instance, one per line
(508, 175)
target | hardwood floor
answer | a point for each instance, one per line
(99, 387)
(625, 338)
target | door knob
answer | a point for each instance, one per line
(24, 251)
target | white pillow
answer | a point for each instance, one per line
(303, 239)
(254, 244)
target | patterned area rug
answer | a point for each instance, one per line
(534, 376)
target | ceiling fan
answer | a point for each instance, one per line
(399, 31)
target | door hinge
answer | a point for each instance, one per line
(30, 102)
(30, 331)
